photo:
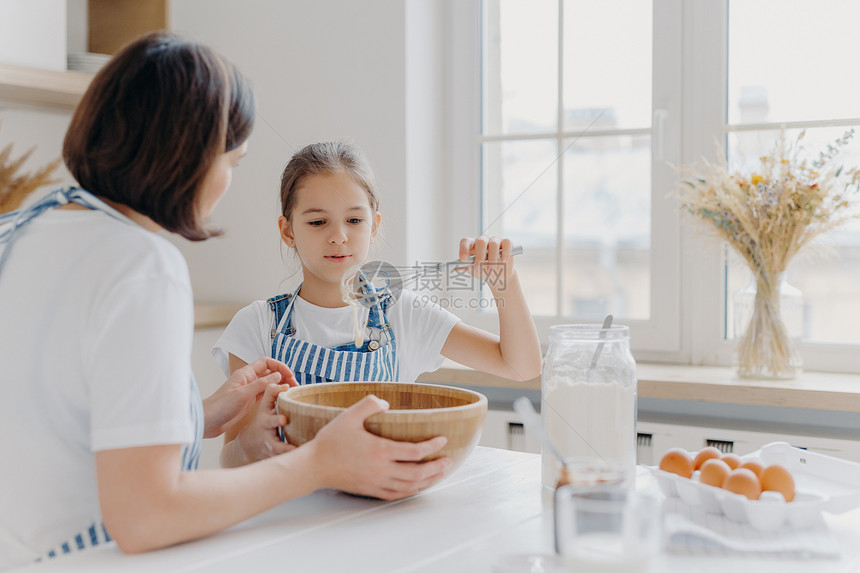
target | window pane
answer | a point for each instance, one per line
(827, 272)
(520, 202)
(607, 227)
(521, 66)
(607, 64)
(793, 60)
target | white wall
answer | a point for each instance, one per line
(27, 128)
(33, 33)
(427, 227)
(323, 70)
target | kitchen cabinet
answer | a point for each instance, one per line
(112, 24)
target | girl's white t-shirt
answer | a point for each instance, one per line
(420, 328)
(96, 326)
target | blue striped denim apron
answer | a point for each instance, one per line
(94, 533)
(374, 361)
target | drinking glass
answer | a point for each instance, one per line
(607, 529)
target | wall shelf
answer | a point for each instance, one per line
(214, 315)
(35, 86)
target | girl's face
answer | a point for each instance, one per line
(331, 226)
(218, 179)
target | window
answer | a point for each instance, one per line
(773, 81)
(568, 129)
(581, 110)
(566, 151)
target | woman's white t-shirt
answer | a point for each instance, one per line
(420, 328)
(96, 326)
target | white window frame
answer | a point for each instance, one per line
(688, 267)
(705, 48)
(660, 335)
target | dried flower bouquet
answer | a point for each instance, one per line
(767, 216)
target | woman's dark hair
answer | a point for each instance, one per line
(151, 125)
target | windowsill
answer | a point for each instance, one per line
(810, 390)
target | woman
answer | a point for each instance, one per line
(100, 417)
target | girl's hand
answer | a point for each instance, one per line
(349, 458)
(493, 261)
(259, 439)
(239, 394)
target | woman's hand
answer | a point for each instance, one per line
(493, 261)
(349, 458)
(259, 439)
(239, 393)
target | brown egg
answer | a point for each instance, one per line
(754, 466)
(714, 472)
(744, 482)
(732, 459)
(705, 454)
(777, 478)
(678, 462)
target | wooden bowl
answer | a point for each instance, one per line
(418, 412)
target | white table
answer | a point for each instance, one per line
(491, 507)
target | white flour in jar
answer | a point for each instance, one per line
(589, 421)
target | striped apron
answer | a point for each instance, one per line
(95, 533)
(375, 361)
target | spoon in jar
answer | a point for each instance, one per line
(607, 324)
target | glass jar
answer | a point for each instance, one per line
(588, 406)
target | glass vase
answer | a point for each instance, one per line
(768, 326)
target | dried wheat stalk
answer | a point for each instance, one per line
(14, 187)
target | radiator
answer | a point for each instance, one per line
(503, 429)
(662, 436)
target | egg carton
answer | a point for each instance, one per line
(822, 483)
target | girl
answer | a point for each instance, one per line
(100, 417)
(329, 216)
